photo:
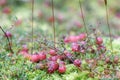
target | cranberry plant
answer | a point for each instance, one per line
(53, 55)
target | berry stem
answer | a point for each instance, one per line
(32, 25)
(7, 39)
(107, 17)
(53, 23)
(83, 18)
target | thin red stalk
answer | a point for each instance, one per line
(83, 17)
(107, 17)
(53, 23)
(32, 25)
(7, 40)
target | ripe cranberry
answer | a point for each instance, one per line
(75, 47)
(18, 22)
(99, 40)
(35, 58)
(50, 70)
(77, 62)
(51, 19)
(82, 36)
(42, 56)
(73, 39)
(54, 58)
(52, 52)
(66, 40)
(2, 2)
(8, 34)
(52, 66)
(6, 10)
(62, 69)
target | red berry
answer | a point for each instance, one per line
(52, 52)
(51, 19)
(82, 36)
(77, 62)
(6, 10)
(62, 69)
(50, 70)
(99, 40)
(75, 47)
(35, 58)
(42, 56)
(18, 22)
(52, 66)
(66, 40)
(2, 2)
(54, 58)
(8, 34)
(73, 39)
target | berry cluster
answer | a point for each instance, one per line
(52, 60)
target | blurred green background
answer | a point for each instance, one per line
(68, 18)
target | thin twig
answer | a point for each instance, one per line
(53, 23)
(32, 25)
(108, 24)
(10, 48)
(80, 5)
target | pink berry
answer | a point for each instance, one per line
(82, 36)
(73, 39)
(6, 10)
(3, 2)
(66, 40)
(54, 58)
(52, 52)
(18, 22)
(99, 40)
(42, 56)
(52, 66)
(62, 69)
(75, 47)
(77, 62)
(35, 58)
(8, 34)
